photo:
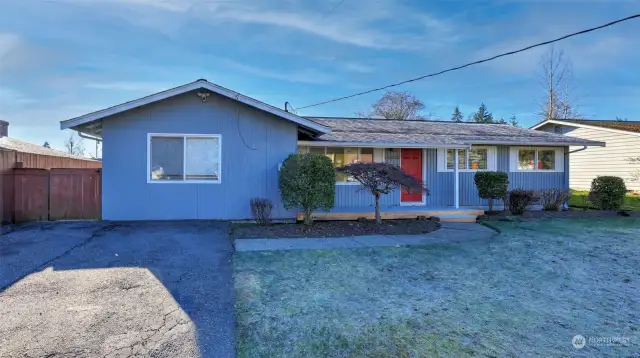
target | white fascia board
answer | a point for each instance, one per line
(580, 125)
(70, 123)
(380, 145)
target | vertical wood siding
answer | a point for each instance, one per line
(440, 184)
(254, 143)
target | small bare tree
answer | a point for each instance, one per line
(396, 105)
(381, 178)
(74, 145)
(556, 79)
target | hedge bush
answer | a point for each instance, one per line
(307, 181)
(520, 200)
(607, 192)
(491, 185)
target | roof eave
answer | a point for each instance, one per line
(540, 143)
(320, 143)
(200, 84)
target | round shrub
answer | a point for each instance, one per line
(308, 182)
(491, 185)
(607, 192)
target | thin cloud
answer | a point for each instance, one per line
(148, 87)
(304, 76)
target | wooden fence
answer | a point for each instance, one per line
(56, 194)
(31, 188)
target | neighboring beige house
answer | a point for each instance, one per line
(622, 140)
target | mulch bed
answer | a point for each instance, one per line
(568, 214)
(333, 229)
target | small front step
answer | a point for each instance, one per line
(457, 218)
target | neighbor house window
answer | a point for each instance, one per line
(184, 158)
(468, 160)
(537, 159)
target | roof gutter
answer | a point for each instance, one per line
(577, 150)
(86, 136)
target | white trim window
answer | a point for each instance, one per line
(184, 158)
(536, 159)
(341, 156)
(469, 160)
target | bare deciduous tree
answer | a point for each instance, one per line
(396, 105)
(381, 178)
(74, 145)
(556, 79)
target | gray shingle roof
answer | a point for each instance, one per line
(366, 130)
(25, 147)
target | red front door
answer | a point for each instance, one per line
(411, 163)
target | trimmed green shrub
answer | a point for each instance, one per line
(520, 200)
(607, 192)
(553, 199)
(308, 182)
(491, 185)
(261, 210)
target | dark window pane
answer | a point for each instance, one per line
(366, 155)
(526, 158)
(547, 159)
(167, 158)
(478, 159)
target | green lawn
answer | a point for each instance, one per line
(578, 200)
(526, 292)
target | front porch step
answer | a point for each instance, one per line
(457, 218)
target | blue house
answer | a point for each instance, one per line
(201, 151)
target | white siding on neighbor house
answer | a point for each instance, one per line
(610, 160)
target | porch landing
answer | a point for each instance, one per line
(445, 214)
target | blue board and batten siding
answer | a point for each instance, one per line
(254, 143)
(441, 184)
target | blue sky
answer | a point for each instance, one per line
(64, 58)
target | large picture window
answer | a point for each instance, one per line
(184, 158)
(537, 159)
(341, 156)
(468, 160)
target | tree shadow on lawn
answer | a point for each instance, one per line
(527, 292)
(152, 288)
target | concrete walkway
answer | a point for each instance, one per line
(448, 233)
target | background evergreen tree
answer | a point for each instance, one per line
(513, 121)
(457, 115)
(482, 115)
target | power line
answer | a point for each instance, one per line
(475, 63)
(330, 11)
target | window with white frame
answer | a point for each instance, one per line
(341, 156)
(477, 158)
(184, 158)
(537, 159)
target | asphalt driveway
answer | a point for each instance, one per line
(85, 289)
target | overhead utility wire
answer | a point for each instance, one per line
(330, 11)
(476, 62)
